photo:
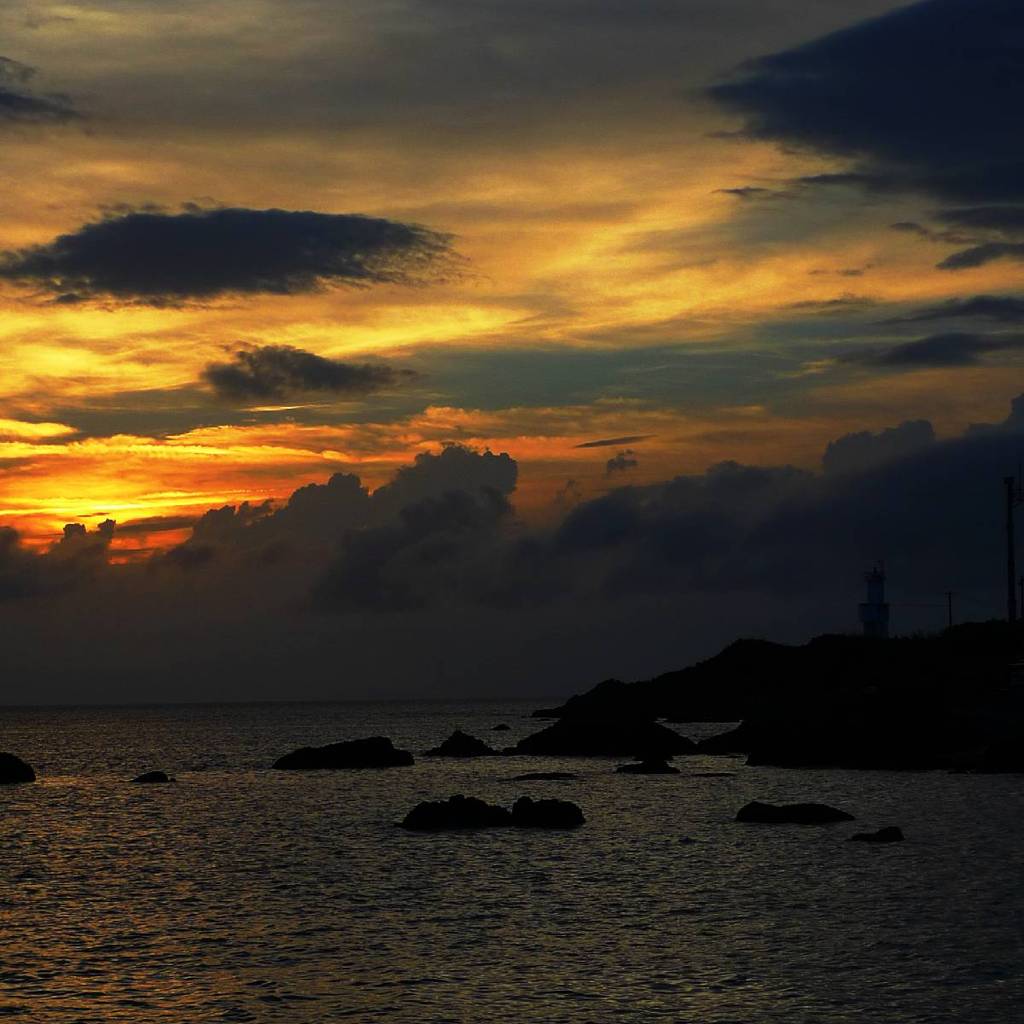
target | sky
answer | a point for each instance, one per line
(466, 347)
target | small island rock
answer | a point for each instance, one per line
(890, 834)
(527, 813)
(467, 812)
(543, 777)
(13, 770)
(152, 778)
(455, 812)
(649, 767)
(461, 744)
(791, 814)
(374, 752)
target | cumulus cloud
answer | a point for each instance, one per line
(275, 372)
(625, 460)
(319, 517)
(159, 258)
(20, 103)
(918, 99)
(955, 348)
(76, 558)
(860, 451)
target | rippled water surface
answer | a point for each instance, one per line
(244, 894)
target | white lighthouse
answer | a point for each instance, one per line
(874, 612)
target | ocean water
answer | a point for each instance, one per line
(244, 894)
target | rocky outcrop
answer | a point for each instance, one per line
(461, 744)
(890, 834)
(652, 767)
(908, 703)
(605, 737)
(791, 814)
(543, 777)
(454, 813)
(13, 770)
(152, 778)
(374, 752)
(527, 813)
(467, 812)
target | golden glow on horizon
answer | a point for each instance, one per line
(607, 246)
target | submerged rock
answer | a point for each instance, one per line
(455, 812)
(649, 767)
(604, 737)
(528, 813)
(13, 770)
(467, 812)
(890, 834)
(791, 814)
(374, 752)
(152, 778)
(461, 744)
(543, 777)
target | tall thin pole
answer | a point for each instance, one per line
(1011, 553)
(949, 608)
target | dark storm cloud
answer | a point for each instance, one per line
(159, 258)
(932, 509)
(614, 442)
(19, 103)
(317, 517)
(625, 460)
(435, 556)
(955, 348)
(923, 98)
(78, 557)
(1000, 308)
(280, 371)
(863, 450)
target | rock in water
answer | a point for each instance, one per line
(605, 737)
(461, 744)
(527, 813)
(501, 727)
(649, 767)
(13, 770)
(543, 777)
(791, 814)
(890, 834)
(458, 812)
(455, 812)
(152, 778)
(375, 752)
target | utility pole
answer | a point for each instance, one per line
(949, 609)
(1013, 499)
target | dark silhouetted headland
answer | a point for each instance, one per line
(946, 701)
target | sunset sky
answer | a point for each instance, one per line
(245, 246)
